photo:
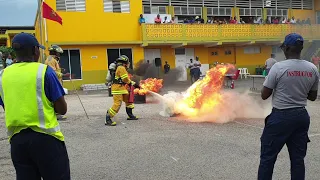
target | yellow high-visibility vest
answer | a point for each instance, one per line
(26, 104)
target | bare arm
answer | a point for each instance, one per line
(60, 106)
(266, 93)
(312, 95)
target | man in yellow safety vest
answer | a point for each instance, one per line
(31, 95)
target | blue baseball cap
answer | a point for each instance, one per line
(293, 39)
(25, 40)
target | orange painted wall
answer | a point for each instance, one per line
(221, 57)
(317, 5)
(304, 14)
(243, 59)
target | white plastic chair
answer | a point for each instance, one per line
(245, 72)
(241, 72)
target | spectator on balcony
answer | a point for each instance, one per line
(250, 21)
(233, 20)
(166, 20)
(158, 20)
(224, 21)
(284, 20)
(210, 20)
(257, 20)
(293, 20)
(241, 21)
(298, 21)
(308, 21)
(275, 20)
(172, 21)
(141, 19)
(191, 20)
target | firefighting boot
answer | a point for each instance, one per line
(130, 115)
(109, 122)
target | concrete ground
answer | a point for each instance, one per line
(162, 148)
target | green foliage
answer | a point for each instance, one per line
(7, 50)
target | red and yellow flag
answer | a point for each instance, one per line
(49, 13)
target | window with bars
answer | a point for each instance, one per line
(219, 11)
(71, 5)
(277, 12)
(187, 11)
(116, 6)
(250, 12)
(154, 10)
(252, 50)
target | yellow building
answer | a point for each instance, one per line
(7, 33)
(95, 32)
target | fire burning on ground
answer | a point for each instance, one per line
(205, 101)
(150, 84)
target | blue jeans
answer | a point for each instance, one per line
(282, 127)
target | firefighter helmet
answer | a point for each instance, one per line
(56, 48)
(123, 59)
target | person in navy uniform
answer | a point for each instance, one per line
(292, 82)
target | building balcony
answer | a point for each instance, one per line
(211, 34)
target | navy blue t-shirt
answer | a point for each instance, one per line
(52, 86)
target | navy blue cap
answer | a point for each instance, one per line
(293, 39)
(25, 40)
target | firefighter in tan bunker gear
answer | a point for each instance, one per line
(120, 91)
(53, 61)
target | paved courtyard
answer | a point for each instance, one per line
(158, 148)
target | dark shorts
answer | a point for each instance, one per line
(36, 155)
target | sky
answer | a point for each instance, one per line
(18, 12)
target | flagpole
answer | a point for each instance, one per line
(40, 27)
(45, 29)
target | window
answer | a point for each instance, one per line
(227, 52)
(277, 12)
(158, 10)
(113, 54)
(71, 5)
(276, 49)
(187, 11)
(252, 50)
(180, 51)
(214, 53)
(250, 12)
(219, 11)
(116, 6)
(70, 61)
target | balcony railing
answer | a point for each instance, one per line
(162, 33)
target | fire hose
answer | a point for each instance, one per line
(74, 88)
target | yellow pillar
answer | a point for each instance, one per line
(205, 14)
(290, 13)
(8, 41)
(235, 13)
(170, 10)
(264, 14)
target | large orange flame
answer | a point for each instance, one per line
(150, 84)
(204, 95)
